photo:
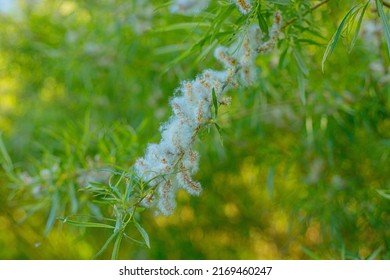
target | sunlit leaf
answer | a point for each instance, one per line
(358, 26)
(385, 23)
(333, 42)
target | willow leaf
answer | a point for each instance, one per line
(385, 23)
(332, 43)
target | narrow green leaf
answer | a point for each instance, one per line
(220, 130)
(118, 222)
(270, 180)
(375, 254)
(301, 87)
(86, 129)
(134, 240)
(300, 62)
(110, 170)
(206, 51)
(283, 57)
(73, 198)
(143, 233)
(310, 42)
(343, 252)
(178, 59)
(310, 253)
(129, 188)
(262, 22)
(350, 24)
(316, 33)
(280, 2)
(208, 38)
(385, 23)
(104, 247)
(174, 48)
(7, 159)
(95, 209)
(215, 102)
(384, 193)
(182, 26)
(86, 224)
(32, 210)
(359, 24)
(117, 245)
(219, 20)
(114, 188)
(53, 213)
(332, 43)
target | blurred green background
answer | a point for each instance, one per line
(85, 85)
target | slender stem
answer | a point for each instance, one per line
(387, 5)
(315, 7)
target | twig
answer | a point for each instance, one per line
(387, 5)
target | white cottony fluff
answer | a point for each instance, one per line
(244, 6)
(170, 164)
(189, 7)
(166, 203)
(185, 181)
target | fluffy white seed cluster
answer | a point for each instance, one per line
(189, 7)
(244, 6)
(170, 164)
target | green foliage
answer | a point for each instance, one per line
(303, 170)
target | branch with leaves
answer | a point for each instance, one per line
(169, 165)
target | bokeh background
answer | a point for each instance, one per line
(84, 85)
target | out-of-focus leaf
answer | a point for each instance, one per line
(182, 26)
(375, 254)
(301, 87)
(53, 213)
(4, 154)
(270, 180)
(384, 193)
(300, 62)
